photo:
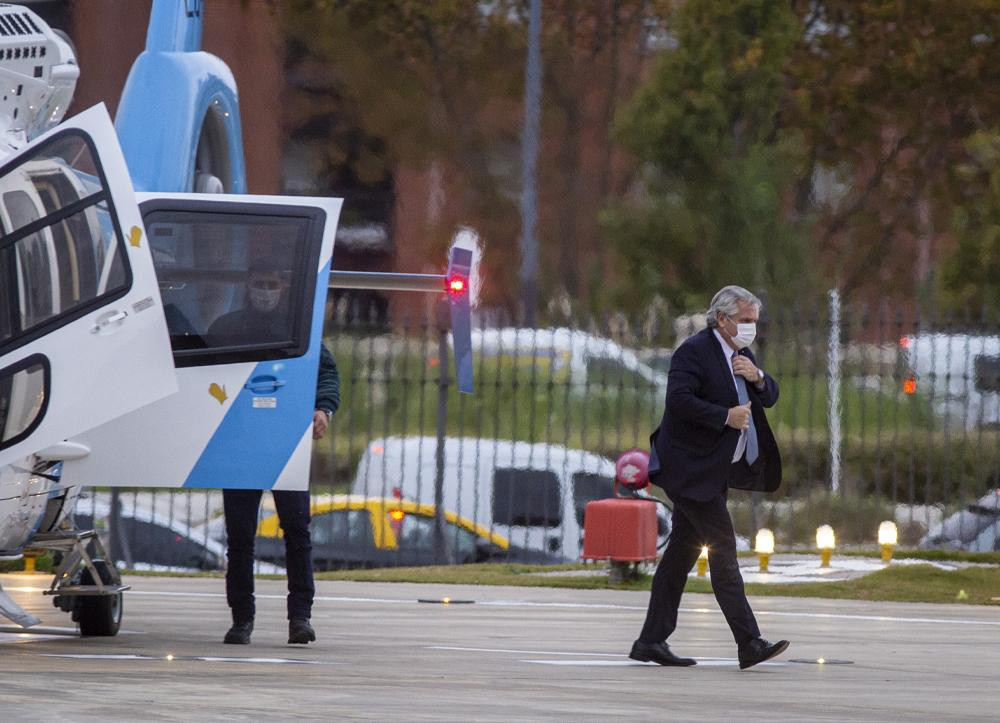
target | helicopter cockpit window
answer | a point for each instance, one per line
(60, 250)
(235, 286)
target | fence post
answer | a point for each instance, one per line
(118, 544)
(833, 377)
(442, 551)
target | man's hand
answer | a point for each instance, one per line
(739, 416)
(746, 369)
(320, 423)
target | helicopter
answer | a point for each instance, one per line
(122, 243)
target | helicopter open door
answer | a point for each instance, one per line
(244, 286)
(82, 334)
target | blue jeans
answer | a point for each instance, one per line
(241, 508)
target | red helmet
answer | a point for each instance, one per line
(632, 469)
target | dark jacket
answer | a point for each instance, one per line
(327, 382)
(693, 448)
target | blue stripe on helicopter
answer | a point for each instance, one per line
(265, 443)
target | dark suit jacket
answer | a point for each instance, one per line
(693, 448)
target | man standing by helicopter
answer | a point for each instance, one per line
(266, 293)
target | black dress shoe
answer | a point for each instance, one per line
(759, 650)
(239, 634)
(657, 653)
(300, 631)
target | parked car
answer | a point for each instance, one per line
(149, 541)
(356, 531)
(589, 361)
(535, 495)
(975, 528)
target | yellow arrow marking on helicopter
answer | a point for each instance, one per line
(218, 392)
(135, 236)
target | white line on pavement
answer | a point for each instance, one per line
(702, 663)
(598, 606)
(519, 652)
(183, 658)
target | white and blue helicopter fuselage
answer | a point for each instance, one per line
(125, 248)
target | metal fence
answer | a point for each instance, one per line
(881, 416)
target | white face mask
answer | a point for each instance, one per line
(745, 334)
(264, 299)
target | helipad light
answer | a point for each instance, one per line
(764, 547)
(703, 561)
(821, 660)
(825, 541)
(446, 600)
(888, 536)
(170, 656)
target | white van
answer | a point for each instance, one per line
(958, 373)
(532, 494)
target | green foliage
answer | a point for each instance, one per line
(970, 277)
(799, 146)
(707, 126)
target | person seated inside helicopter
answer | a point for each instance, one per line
(265, 317)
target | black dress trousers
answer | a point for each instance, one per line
(696, 524)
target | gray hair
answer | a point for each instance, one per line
(727, 301)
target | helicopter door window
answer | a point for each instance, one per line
(24, 395)
(61, 253)
(236, 287)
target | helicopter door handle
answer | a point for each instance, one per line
(108, 320)
(264, 385)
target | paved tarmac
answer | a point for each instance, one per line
(513, 654)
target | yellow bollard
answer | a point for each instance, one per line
(888, 536)
(703, 562)
(763, 558)
(825, 541)
(764, 547)
(29, 562)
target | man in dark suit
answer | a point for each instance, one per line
(714, 435)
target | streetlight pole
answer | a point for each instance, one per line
(529, 163)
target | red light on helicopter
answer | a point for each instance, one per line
(904, 342)
(910, 386)
(457, 285)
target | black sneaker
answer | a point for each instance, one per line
(300, 631)
(239, 634)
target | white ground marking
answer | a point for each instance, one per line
(519, 652)
(615, 657)
(702, 663)
(595, 606)
(183, 658)
(7, 638)
(16, 634)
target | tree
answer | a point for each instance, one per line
(710, 205)
(970, 276)
(435, 91)
(887, 95)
